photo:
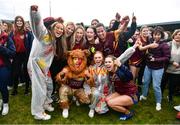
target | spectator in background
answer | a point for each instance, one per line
(173, 69)
(126, 35)
(23, 42)
(27, 26)
(7, 27)
(111, 23)
(94, 22)
(114, 23)
(7, 51)
(167, 36)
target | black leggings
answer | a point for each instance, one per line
(174, 81)
(19, 67)
(4, 80)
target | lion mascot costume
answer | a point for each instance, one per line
(72, 78)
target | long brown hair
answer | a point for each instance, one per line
(61, 45)
(21, 30)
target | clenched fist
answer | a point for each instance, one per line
(34, 8)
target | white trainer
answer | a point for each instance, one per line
(49, 107)
(1, 104)
(10, 87)
(77, 103)
(142, 98)
(158, 106)
(5, 109)
(65, 113)
(177, 108)
(74, 98)
(42, 116)
(91, 113)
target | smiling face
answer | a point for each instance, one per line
(69, 30)
(109, 64)
(98, 58)
(90, 34)
(77, 61)
(19, 22)
(4, 26)
(79, 35)
(94, 22)
(101, 32)
(58, 30)
(145, 32)
(157, 36)
(177, 37)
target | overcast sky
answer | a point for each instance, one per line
(146, 11)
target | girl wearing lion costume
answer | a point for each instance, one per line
(72, 79)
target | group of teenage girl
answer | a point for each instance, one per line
(119, 58)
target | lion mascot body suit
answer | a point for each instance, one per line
(72, 79)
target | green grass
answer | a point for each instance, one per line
(145, 113)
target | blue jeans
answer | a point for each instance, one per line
(156, 77)
(4, 80)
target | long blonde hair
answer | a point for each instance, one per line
(73, 39)
(61, 45)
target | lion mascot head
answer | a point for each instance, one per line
(77, 60)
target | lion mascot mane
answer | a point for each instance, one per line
(72, 78)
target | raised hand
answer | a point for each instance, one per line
(125, 19)
(34, 8)
(133, 18)
(118, 16)
(60, 20)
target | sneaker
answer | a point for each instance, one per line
(91, 113)
(42, 116)
(5, 109)
(158, 106)
(77, 103)
(10, 87)
(178, 115)
(55, 98)
(49, 107)
(142, 98)
(177, 108)
(65, 113)
(124, 117)
(21, 84)
(74, 98)
(1, 104)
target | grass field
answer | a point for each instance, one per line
(145, 113)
